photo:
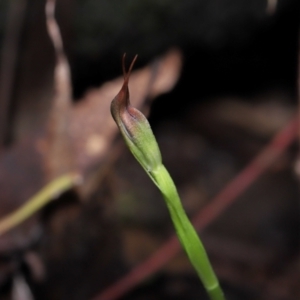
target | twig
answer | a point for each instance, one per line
(60, 155)
(62, 70)
(209, 213)
(44, 196)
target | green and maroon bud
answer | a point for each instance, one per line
(142, 143)
(134, 127)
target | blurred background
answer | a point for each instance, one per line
(217, 79)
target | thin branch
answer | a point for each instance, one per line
(62, 70)
(60, 155)
(39, 200)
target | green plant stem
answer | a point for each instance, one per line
(141, 141)
(186, 233)
(45, 195)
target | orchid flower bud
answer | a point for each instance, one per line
(142, 143)
(134, 127)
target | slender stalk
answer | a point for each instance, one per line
(186, 233)
(45, 195)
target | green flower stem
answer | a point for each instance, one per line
(141, 141)
(45, 195)
(186, 233)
